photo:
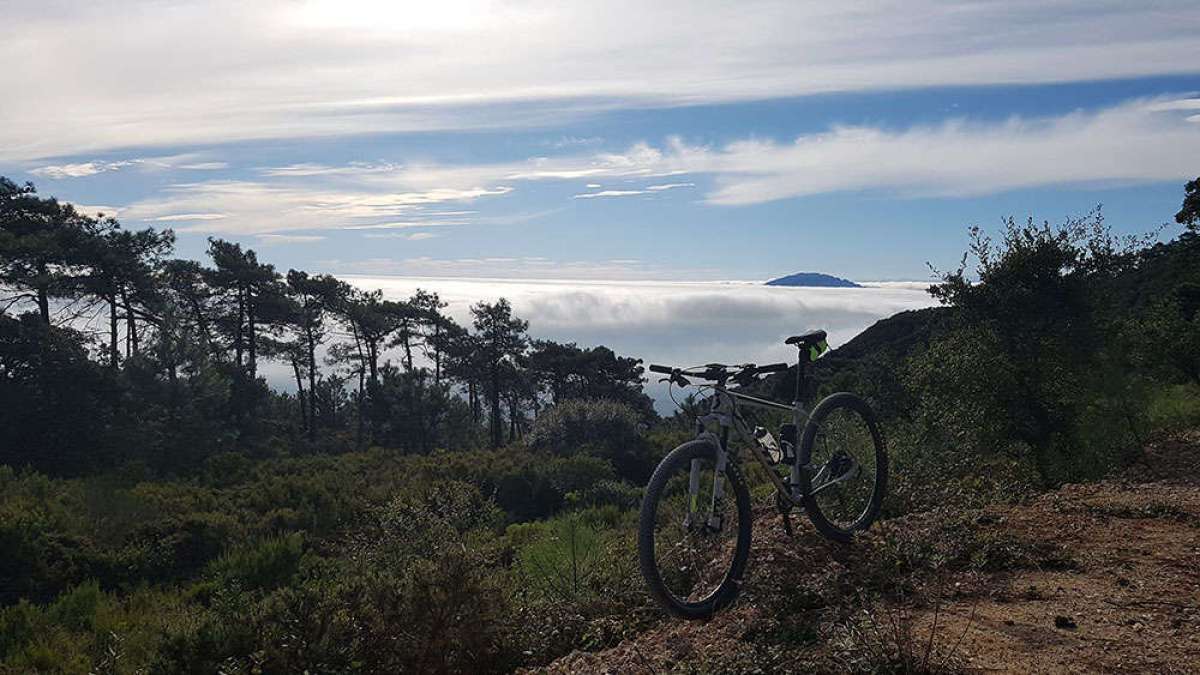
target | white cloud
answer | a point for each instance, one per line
(649, 189)
(415, 236)
(175, 217)
(205, 166)
(363, 66)
(1129, 143)
(679, 323)
(1137, 141)
(576, 141)
(272, 239)
(593, 186)
(78, 170)
(97, 208)
(249, 207)
(610, 193)
(83, 169)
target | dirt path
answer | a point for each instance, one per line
(1100, 577)
(1132, 604)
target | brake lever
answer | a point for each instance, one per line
(676, 378)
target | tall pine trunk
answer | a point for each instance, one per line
(312, 381)
(43, 303)
(300, 393)
(252, 342)
(497, 429)
(238, 346)
(131, 334)
(114, 352)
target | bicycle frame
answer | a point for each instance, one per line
(724, 414)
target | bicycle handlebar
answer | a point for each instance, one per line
(719, 372)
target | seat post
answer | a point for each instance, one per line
(799, 374)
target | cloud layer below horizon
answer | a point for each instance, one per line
(677, 323)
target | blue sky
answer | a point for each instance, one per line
(689, 141)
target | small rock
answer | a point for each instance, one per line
(1065, 622)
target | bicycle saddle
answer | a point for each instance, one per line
(808, 339)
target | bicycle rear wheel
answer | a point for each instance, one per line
(844, 466)
(693, 547)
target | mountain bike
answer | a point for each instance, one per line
(694, 527)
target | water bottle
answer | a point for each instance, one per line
(769, 445)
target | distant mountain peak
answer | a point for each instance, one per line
(813, 279)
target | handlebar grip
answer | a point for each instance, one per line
(773, 368)
(665, 370)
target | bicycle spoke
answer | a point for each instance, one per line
(844, 457)
(693, 553)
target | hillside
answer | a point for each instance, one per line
(813, 279)
(1117, 588)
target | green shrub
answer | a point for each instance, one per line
(76, 609)
(618, 494)
(606, 429)
(1174, 407)
(560, 562)
(260, 566)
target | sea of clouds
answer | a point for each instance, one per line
(675, 323)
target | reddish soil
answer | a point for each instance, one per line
(1115, 587)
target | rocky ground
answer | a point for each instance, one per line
(1098, 577)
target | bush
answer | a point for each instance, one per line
(606, 429)
(260, 566)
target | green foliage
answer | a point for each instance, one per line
(1189, 213)
(569, 372)
(212, 525)
(1174, 407)
(560, 562)
(1167, 336)
(259, 566)
(606, 429)
(617, 494)
(1032, 360)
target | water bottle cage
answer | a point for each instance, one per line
(788, 452)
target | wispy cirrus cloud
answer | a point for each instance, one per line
(461, 64)
(1137, 141)
(77, 170)
(649, 189)
(84, 169)
(184, 217)
(410, 236)
(610, 193)
(277, 239)
(254, 207)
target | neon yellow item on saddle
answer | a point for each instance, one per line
(815, 351)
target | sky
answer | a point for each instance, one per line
(607, 141)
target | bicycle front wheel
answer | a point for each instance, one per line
(844, 466)
(692, 542)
